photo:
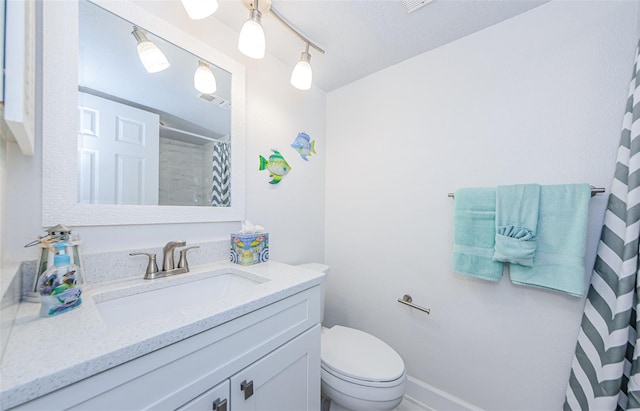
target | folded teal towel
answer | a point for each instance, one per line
(562, 236)
(474, 234)
(516, 223)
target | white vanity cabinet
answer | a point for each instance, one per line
(280, 381)
(268, 359)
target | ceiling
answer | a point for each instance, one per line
(361, 37)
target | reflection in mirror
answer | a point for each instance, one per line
(148, 137)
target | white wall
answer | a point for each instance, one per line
(292, 212)
(3, 183)
(538, 98)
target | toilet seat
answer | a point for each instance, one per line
(347, 353)
(334, 378)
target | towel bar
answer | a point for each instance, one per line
(594, 191)
(406, 299)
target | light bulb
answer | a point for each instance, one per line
(252, 42)
(152, 58)
(302, 74)
(200, 9)
(203, 80)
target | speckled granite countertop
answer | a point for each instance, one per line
(45, 354)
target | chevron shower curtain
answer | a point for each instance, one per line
(605, 374)
(221, 187)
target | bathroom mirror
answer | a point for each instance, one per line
(192, 132)
(148, 137)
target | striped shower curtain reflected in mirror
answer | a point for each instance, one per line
(221, 182)
(605, 374)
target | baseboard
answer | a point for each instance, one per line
(434, 398)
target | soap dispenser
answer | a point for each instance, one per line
(60, 286)
(55, 235)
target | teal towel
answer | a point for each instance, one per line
(562, 236)
(474, 234)
(516, 223)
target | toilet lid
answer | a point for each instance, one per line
(359, 355)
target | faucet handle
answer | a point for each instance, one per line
(182, 263)
(152, 266)
(168, 263)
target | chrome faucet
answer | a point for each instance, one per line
(168, 261)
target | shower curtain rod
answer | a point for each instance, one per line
(223, 139)
(594, 191)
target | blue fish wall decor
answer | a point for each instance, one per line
(304, 145)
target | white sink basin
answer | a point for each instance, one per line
(170, 299)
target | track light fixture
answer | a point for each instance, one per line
(200, 9)
(252, 41)
(152, 58)
(203, 80)
(302, 74)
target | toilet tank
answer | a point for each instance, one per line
(322, 268)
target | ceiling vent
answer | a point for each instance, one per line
(413, 5)
(212, 98)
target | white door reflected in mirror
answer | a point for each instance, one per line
(118, 151)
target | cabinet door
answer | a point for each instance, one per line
(287, 379)
(216, 399)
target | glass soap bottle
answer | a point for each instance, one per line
(59, 286)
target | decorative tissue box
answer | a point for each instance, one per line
(247, 249)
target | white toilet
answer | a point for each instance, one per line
(359, 371)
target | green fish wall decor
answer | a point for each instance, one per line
(276, 165)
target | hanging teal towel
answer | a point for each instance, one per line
(562, 235)
(516, 223)
(474, 234)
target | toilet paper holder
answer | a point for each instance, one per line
(407, 300)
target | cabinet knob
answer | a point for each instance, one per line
(247, 387)
(220, 405)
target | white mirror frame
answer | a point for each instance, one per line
(60, 124)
